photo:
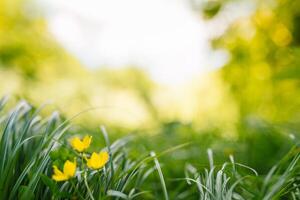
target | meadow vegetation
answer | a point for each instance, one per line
(116, 134)
(50, 158)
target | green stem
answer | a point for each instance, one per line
(87, 186)
(99, 181)
(73, 185)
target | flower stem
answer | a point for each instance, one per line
(87, 186)
(78, 193)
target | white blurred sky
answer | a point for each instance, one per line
(165, 37)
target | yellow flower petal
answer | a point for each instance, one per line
(97, 161)
(56, 170)
(87, 141)
(104, 157)
(69, 168)
(77, 144)
(68, 172)
(58, 175)
(81, 145)
(59, 178)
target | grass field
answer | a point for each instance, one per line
(261, 164)
(122, 100)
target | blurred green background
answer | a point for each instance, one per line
(249, 107)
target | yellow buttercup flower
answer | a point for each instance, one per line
(68, 171)
(97, 160)
(81, 145)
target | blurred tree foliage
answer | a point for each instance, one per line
(32, 62)
(264, 66)
(134, 79)
(25, 44)
(262, 73)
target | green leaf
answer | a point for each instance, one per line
(115, 193)
(50, 183)
(25, 193)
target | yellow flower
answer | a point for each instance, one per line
(81, 145)
(68, 171)
(97, 160)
